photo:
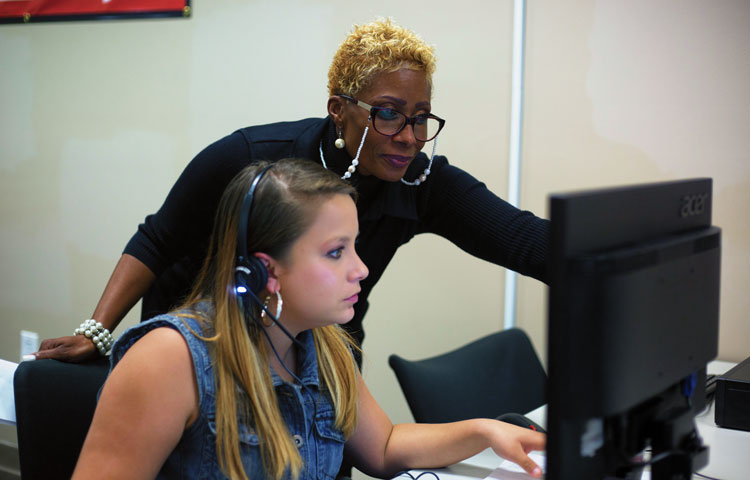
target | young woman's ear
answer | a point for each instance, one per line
(271, 265)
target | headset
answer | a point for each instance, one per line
(251, 277)
(250, 274)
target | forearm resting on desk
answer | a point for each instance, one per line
(439, 445)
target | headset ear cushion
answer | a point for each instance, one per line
(241, 274)
(257, 275)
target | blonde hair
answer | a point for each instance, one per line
(284, 205)
(374, 48)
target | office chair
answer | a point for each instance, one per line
(55, 403)
(491, 376)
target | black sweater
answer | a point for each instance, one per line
(451, 203)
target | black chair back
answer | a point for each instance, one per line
(55, 403)
(491, 376)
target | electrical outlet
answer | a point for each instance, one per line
(29, 342)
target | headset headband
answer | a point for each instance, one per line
(247, 205)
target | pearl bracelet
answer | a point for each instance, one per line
(97, 333)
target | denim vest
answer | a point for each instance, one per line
(308, 413)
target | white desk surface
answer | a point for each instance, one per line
(729, 450)
(7, 403)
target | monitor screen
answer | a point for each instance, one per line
(633, 321)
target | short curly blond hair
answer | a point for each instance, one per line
(373, 48)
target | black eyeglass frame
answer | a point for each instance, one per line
(408, 120)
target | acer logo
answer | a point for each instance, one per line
(693, 205)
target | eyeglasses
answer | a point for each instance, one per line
(390, 122)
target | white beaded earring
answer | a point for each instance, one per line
(340, 142)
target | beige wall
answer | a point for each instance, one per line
(97, 119)
(621, 92)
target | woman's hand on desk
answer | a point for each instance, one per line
(514, 443)
(381, 449)
(74, 349)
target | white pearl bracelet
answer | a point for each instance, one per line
(97, 333)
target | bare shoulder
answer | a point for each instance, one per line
(159, 346)
(157, 368)
(160, 356)
(164, 337)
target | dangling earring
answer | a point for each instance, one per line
(353, 166)
(279, 304)
(263, 313)
(340, 142)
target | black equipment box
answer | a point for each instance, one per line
(733, 397)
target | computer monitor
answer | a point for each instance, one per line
(633, 321)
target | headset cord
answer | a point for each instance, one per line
(299, 344)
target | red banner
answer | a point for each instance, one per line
(50, 10)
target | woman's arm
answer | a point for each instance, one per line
(460, 208)
(149, 399)
(128, 283)
(380, 448)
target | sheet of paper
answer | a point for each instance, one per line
(7, 401)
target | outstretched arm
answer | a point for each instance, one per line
(126, 286)
(380, 448)
(149, 399)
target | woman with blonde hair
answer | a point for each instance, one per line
(253, 376)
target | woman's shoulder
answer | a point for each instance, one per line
(156, 371)
(161, 351)
(165, 342)
(287, 131)
(182, 327)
